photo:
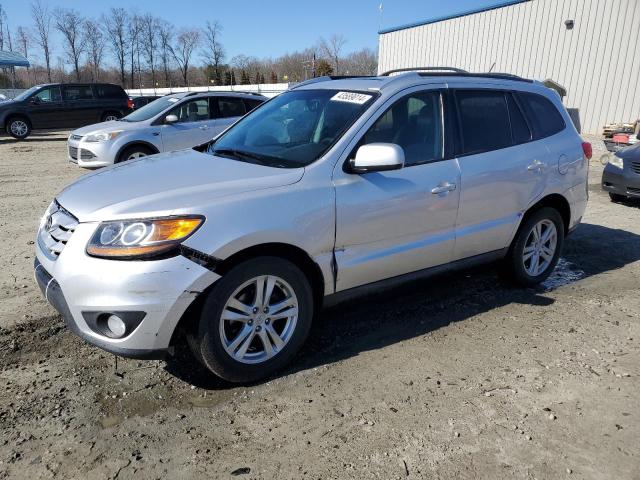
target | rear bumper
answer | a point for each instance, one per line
(621, 181)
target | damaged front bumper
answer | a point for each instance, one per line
(81, 288)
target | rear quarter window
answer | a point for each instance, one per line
(109, 92)
(544, 118)
(484, 120)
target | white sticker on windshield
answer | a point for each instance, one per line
(351, 97)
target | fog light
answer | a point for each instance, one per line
(116, 325)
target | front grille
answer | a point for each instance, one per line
(73, 152)
(633, 191)
(635, 166)
(56, 230)
(86, 155)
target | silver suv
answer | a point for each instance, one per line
(173, 122)
(330, 189)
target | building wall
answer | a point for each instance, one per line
(598, 61)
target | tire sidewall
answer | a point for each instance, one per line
(211, 350)
(129, 150)
(11, 120)
(516, 254)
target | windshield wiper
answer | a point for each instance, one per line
(254, 157)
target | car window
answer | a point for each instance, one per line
(413, 122)
(484, 120)
(78, 92)
(251, 104)
(50, 94)
(294, 129)
(192, 111)
(519, 127)
(109, 91)
(542, 114)
(230, 107)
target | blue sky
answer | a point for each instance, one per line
(265, 29)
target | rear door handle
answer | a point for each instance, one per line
(535, 166)
(443, 188)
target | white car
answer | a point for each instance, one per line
(173, 122)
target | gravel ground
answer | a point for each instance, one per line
(458, 377)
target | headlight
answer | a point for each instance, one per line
(102, 137)
(616, 161)
(130, 239)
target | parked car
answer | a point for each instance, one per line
(332, 189)
(139, 102)
(173, 122)
(621, 175)
(67, 105)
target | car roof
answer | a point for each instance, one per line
(399, 79)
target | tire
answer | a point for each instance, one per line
(133, 152)
(243, 335)
(109, 116)
(616, 197)
(19, 127)
(523, 271)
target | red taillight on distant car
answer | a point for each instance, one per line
(129, 104)
(587, 149)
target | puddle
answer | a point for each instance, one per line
(564, 274)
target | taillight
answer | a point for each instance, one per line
(129, 104)
(587, 149)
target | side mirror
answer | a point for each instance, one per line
(170, 119)
(35, 100)
(377, 157)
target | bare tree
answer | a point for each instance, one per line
(150, 40)
(22, 36)
(186, 43)
(332, 48)
(42, 19)
(213, 51)
(69, 23)
(165, 37)
(115, 28)
(133, 38)
(95, 42)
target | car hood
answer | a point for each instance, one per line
(167, 184)
(109, 127)
(7, 103)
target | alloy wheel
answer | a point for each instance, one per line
(259, 319)
(540, 247)
(110, 118)
(19, 128)
(135, 155)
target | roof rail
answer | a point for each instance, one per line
(326, 78)
(428, 69)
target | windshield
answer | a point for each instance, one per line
(24, 95)
(294, 129)
(150, 110)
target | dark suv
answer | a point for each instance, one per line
(68, 105)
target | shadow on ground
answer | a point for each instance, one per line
(392, 316)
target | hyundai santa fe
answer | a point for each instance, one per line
(331, 189)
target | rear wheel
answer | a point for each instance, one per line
(616, 197)
(18, 127)
(133, 152)
(254, 320)
(111, 116)
(536, 249)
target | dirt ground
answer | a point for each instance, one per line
(458, 377)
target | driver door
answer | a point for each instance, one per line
(389, 223)
(192, 127)
(46, 108)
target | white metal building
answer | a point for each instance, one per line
(588, 46)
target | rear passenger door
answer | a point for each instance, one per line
(80, 104)
(502, 169)
(227, 111)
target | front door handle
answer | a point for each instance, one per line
(443, 188)
(535, 166)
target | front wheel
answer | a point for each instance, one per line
(254, 320)
(136, 151)
(536, 249)
(19, 128)
(111, 116)
(617, 198)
